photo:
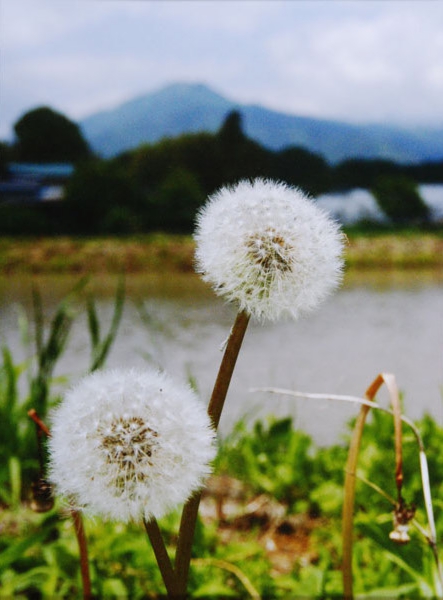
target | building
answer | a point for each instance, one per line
(29, 183)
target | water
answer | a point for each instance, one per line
(378, 322)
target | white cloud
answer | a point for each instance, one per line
(384, 67)
(28, 23)
(354, 60)
(245, 17)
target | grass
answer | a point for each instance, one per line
(394, 250)
(155, 252)
(158, 253)
(261, 533)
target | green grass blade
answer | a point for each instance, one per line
(10, 397)
(58, 336)
(15, 481)
(93, 323)
(103, 348)
(38, 320)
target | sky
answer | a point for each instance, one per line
(360, 61)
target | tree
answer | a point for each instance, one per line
(399, 199)
(173, 206)
(6, 155)
(197, 153)
(231, 133)
(240, 156)
(47, 136)
(101, 198)
(302, 168)
(363, 173)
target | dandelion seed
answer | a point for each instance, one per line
(268, 248)
(128, 445)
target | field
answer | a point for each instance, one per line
(159, 252)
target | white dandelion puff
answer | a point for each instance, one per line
(128, 445)
(268, 248)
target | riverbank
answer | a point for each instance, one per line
(157, 253)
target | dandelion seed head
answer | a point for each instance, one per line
(268, 248)
(130, 444)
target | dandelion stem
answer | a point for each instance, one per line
(42, 427)
(83, 548)
(227, 367)
(77, 519)
(162, 557)
(190, 510)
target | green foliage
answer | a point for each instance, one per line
(39, 552)
(363, 173)
(49, 351)
(160, 186)
(23, 220)
(48, 136)
(18, 440)
(100, 347)
(231, 132)
(399, 199)
(240, 157)
(174, 204)
(303, 169)
(263, 458)
(6, 156)
(273, 459)
(101, 198)
(198, 154)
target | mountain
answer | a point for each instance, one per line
(187, 108)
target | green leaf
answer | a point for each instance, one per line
(214, 589)
(11, 381)
(400, 591)
(12, 582)
(114, 588)
(101, 350)
(15, 481)
(93, 323)
(16, 551)
(38, 319)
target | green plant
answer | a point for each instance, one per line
(100, 346)
(20, 442)
(272, 458)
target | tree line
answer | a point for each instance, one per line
(160, 186)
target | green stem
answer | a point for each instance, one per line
(190, 510)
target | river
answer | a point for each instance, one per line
(377, 322)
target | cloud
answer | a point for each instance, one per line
(28, 24)
(358, 61)
(385, 67)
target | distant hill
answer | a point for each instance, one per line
(186, 108)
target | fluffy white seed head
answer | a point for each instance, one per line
(268, 248)
(130, 444)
